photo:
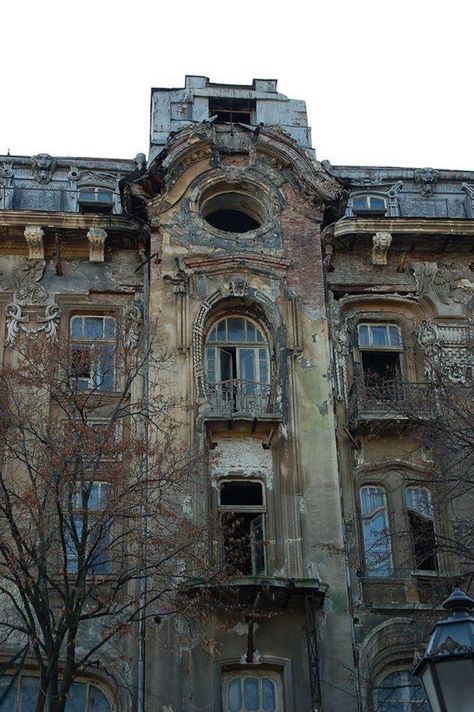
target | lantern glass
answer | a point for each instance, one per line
(449, 684)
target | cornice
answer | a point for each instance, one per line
(20, 218)
(407, 226)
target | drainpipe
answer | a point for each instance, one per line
(141, 659)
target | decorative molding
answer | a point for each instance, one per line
(448, 283)
(448, 347)
(34, 237)
(16, 322)
(97, 237)
(43, 166)
(132, 321)
(427, 179)
(381, 242)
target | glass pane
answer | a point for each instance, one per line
(247, 364)
(104, 196)
(377, 545)
(360, 203)
(94, 327)
(76, 701)
(97, 701)
(109, 328)
(260, 336)
(226, 364)
(29, 693)
(269, 704)
(100, 559)
(251, 694)
(8, 704)
(419, 498)
(73, 533)
(263, 365)
(257, 545)
(379, 336)
(235, 329)
(371, 498)
(234, 696)
(394, 336)
(76, 327)
(363, 335)
(377, 203)
(86, 195)
(104, 367)
(212, 336)
(221, 331)
(251, 331)
(99, 494)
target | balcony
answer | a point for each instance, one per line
(388, 400)
(234, 397)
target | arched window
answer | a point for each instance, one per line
(400, 691)
(369, 205)
(421, 521)
(237, 365)
(95, 200)
(252, 692)
(377, 549)
(19, 695)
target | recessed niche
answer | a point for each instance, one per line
(232, 208)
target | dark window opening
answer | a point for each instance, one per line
(243, 528)
(232, 221)
(241, 493)
(424, 542)
(232, 110)
(243, 543)
(381, 366)
(95, 200)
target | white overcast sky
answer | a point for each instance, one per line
(386, 83)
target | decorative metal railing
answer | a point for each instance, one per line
(239, 396)
(388, 398)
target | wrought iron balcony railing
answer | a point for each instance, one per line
(236, 395)
(388, 399)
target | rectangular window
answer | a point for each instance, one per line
(375, 529)
(93, 346)
(87, 528)
(243, 527)
(380, 347)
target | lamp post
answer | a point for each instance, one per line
(447, 668)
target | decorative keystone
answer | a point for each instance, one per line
(34, 237)
(96, 237)
(381, 242)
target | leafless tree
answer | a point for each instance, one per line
(95, 535)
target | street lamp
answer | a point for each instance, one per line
(447, 667)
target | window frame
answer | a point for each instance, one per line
(90, 344)
(417, 571)
(76, 512)
(30, 675)
(368, 572)
(379, 212)
(227, 677)
(96, 190)
(407, 703)
(246, 344)
(260, 511)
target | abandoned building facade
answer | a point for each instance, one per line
(298, 301)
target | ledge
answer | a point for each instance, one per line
(429, 226)
(263, 591)
(20, 218)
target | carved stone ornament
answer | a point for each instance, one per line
(24, 282)
(449, 348)
(381, 242)
(448, 283)
(16, 322)
(34, 238)
(238, 287)
(97, 237)
(132, 321)
(427, 179)
(43, 166)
